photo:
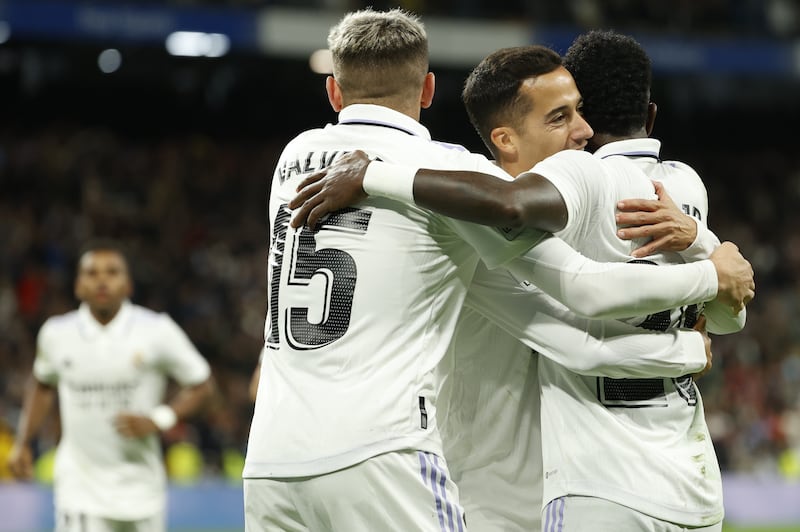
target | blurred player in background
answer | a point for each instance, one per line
(658, 469)
(109, 363)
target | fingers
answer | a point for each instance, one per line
(651, 247)
(660, 190)
(630, 233)
(122, 425)
(654, 229)
(642, 218)
(635, 204)
(303, 214)
(316, 214)
(304, 193)
(21, 466)
(134, 426)
(313, 178)
(700, 325)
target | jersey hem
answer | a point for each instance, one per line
(321, 466)
(679, 516)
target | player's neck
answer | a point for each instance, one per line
(409, 108)
(104, 316)
(601, 139)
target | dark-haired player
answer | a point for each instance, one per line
(109, 362)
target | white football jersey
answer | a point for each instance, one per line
(489, 415)
(639, 442)
(362, 308)
(490, 426)
(101, 371)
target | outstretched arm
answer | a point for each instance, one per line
(613, 290)
(530, 200)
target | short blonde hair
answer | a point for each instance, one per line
(379, 55)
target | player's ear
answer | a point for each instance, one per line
(504, 141)
(428, 88)
(334, 93)
(652, 109)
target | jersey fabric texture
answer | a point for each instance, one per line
(656, 455)
(362, 308)
(490, 426)
(490, 396)
(101, 371)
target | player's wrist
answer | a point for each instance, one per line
(392, 181)
(163, 417)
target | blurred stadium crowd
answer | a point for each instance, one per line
(191, 209)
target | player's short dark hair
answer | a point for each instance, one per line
(103, 244)
(613, 74)
(379, 54)
(491, 91)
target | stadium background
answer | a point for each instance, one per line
(173, 155)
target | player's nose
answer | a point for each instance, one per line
(582, 131)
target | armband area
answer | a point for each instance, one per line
(163, 417)
(391, 181)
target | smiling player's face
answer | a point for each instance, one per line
(554, 122)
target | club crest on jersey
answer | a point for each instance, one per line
(510, 233)
(138, 360)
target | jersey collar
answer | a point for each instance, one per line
(91, 328)
(377, 115)
(645, 147)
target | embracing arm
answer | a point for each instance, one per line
(670, 229)
(613, 290)
(528, 201)
(607, 348)
(534, 202)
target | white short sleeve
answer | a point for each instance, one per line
(44, 368)
(179, 356)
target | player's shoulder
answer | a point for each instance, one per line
(575, 159)
(576, 164)
(682, 168)
(304, 139)
(60, 322)
(145, 317)
(457, 157)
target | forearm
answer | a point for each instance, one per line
(37, 404)
(191, 399)
(642, 354)
(608, 348)
(606, 290)
(528, 201)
